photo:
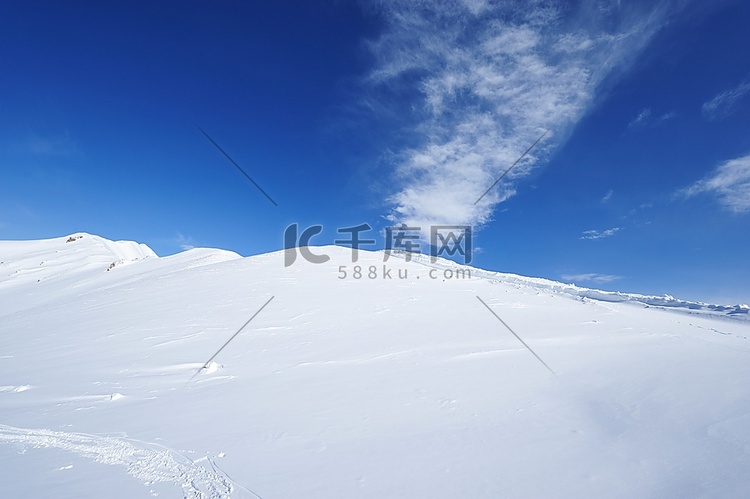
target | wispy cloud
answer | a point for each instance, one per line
(597, 278)
(608, 196)
(725, 102)
(646, 117)
(730, 182)
(642, 117)
(185, 243)
(595, 234)
(488, 78)
(667, 116)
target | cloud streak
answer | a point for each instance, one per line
(725, 102)
(486, 79)
(185, 243)
(646, 118)
(730, 183)
(595, 234)
(641, 119)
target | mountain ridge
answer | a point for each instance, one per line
(109, 255)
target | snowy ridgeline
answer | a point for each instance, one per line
(37, 261)
(346, 387)
(740, 310)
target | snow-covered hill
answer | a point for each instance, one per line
(346, 387)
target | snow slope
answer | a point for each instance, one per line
(369, 387)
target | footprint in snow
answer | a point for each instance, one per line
(148, 463)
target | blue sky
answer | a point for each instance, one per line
(392, 112)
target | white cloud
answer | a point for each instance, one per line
(185, 243)
(608, 196)
(724, 103)
(597, 278)
(667, 116)
(645, 118)
(730, 182)
(595, 234)
(491, 78)
(641, 119)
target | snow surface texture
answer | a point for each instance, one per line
(369, 387)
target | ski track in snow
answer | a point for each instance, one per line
(147, 465)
